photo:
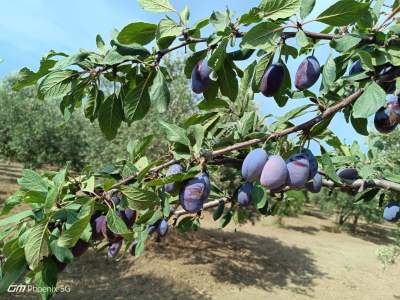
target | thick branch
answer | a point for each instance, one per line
(356, 185)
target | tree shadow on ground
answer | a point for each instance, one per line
(95, 277)
(303, 229)
(244, 259)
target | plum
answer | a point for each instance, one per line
(308, 73)
(356, 67)
(79, 248)
(151, 229)
(298, 170)
(97, 222)
(391, 212)
(201, 77)
(385, 120)
(194, 192)
(272, 79)
(315, 185)
(244, 194)
(128, 216)
(253, 164)
(172, 170)
(312, 161)
(274, 173)
(347, 175)
(132, 248)
(114, 248)
(115, 199)
(162, 228)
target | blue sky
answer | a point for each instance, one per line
(30, 28)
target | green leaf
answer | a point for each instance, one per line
(343, 12)
(16, 218)
(328, 167)
(32, 181)
(57, 84)
(329, 72)
(70, 236)
(70, 60)
(37, 245)
(246, 93)
(209, 104)
(100, 44)
(227, 81)
(136, 148)
(217, 58)
(137, 102)
(175, 133)
(197, 131)
(219, 210)
(13, 268)
(373, 98)
(110, 116)
(366, 60)
(92, 106)
(279, 9)
(220, 20)
(184, 15)
(116, 224)
(46, 279)
(360, 125)
(188, 224)
(159, 93)
(306, 7)
(139, 32)
(139, 199)
(345, 43)
(168, 28)
(302, 39)
(63, 254)
(27, 77)
(180, 177)
(15, 199)
(263, 36)
(156, 5)
(58, 180)
(226, 219)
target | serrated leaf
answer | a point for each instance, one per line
(219, 210)
(174, 133)
(302, 39)
(116, 224)
(46, 279)
(136, 148)
(345, 43)
(16, 218)
(139, 199)
(32, 181)
(217, 58)
(227, 81)
(279, 9)
(168, 28)
(373, 98)
(57, 84)
(110, 116)
(328, 167)
(138, 32)
(156, 5)
(246, 94)
(137, 102)
(263, 36)
(306, 7)
(26, 77)
(343, 12)
(70, 236)
(13, 268)
(159, 93)
(329, 72)
(70, 60)
(37, 245)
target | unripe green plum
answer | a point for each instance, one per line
(253, 164)
(275, 173)
(272, 79)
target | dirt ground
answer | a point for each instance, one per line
(303, 259)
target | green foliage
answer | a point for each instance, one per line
(132, 92)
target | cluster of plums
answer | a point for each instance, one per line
(193, 192)
(306, 76)
(101, 231)
(274, 173)
(386, 118)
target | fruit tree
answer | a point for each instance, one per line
(230, 60)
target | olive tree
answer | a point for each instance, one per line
(265, 164)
